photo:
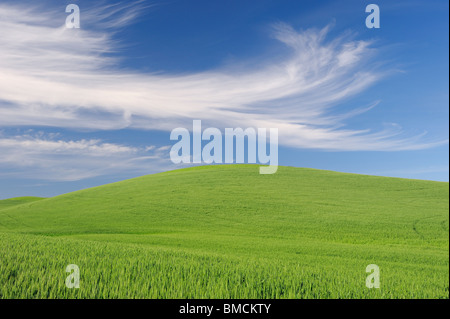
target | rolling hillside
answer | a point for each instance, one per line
(228, 232)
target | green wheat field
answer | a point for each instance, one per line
(225, 231)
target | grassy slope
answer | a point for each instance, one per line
(226, 231)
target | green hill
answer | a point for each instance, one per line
(228, 232)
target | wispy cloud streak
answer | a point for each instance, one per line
(53, 76)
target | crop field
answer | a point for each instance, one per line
(225, 231)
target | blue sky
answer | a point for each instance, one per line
(89, 106)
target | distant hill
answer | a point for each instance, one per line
(6, 203)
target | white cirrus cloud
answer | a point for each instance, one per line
(53, 76)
